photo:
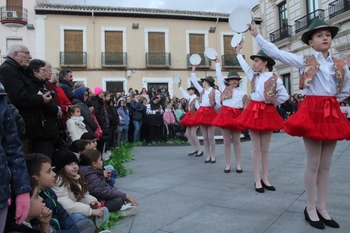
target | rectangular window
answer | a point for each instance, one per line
(227, 45)
(286, 82)
(113, 41)
(282, 12)
(157, 86)
(15, 5)
(114, 86)
(73, 41)
(312, 5)
(156, 42)
(197, 43)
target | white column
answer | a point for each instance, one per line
(40, 36)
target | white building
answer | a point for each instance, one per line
(284, 22)
(17, 25)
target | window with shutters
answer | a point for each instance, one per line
(157, 48)
(14, 12)
(197, 42)
(73, 46)
(229, 57)
(113, 47)
(16, 6)
(286, 82)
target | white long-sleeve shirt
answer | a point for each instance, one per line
(205, 97)
(237, 95)
(189, 98)
(323, 83)
(258, 95)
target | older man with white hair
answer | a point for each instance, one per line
(23, 94)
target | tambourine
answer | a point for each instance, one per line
(239, 18)
(236, 39)
(195, 59)
(210, 53)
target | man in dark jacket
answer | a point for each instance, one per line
(66, 76)
(23, 94)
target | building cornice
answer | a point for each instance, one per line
(68, 9)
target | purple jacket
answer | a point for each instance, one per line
(98, 186)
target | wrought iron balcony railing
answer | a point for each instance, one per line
(302, 23)
(158, 59)
(114, 59)
(337, 7)
(230, 61)
(13, 15)
(281, 34)
(205, 62)
(73, 59)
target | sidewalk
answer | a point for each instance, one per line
(182, 194)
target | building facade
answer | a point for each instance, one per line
(284, 22)
(118, 48)
(17, 24)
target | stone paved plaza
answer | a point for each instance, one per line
(182, 194)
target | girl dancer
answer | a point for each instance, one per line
(191, 126)
(209, 102)
(233, 100)
(261, 116)
(319, 120)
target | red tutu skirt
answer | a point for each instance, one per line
(319, 118)
(204, 116)
(259, 116)
(187, 120)
(227, 117)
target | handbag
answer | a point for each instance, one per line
(136, 116)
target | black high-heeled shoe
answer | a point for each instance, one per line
(328, 222)
(271, 188)
(207, 161)
(259, 190)
(316, 224)
(239, 170)
(198, 155)
(227, 170)
(193, 153)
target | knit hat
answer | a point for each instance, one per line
(263, 56)
(210, 80)
(62, 157)
(233, 75)
(97, 90)
(318, 24)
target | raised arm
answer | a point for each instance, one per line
(245, 67)
(194, 80)
(183, 92)
(272, 50)
(221, 81)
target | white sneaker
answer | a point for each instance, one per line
(128, 210)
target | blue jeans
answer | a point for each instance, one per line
(137, 130)
(78, 217)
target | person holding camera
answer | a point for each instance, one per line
(155, 119)
(50, 111)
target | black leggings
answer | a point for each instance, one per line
(114, 204)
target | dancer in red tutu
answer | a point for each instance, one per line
(209, 101)
(233, 100)
(325, 80)
(261, 116)
(191, 126)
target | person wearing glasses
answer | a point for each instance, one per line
(23, 94)
(50, 111)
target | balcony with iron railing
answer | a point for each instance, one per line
(281, 34)
(302, 23)
(205, 62)
(230, 61)
(73, 59)
(338, 7)
(13, 16)
(114, 59)
(158, 60)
